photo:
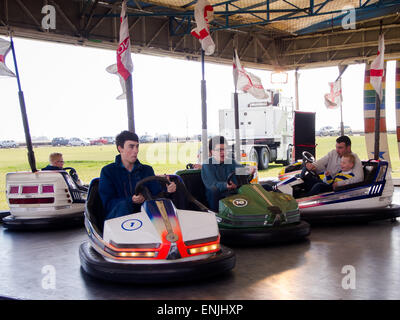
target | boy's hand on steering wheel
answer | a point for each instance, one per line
(231, 186)
(171, 188)
(138, 198)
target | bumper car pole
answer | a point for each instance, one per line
(31, 154)
(236, 111)
(204, 149)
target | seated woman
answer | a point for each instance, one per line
(215, 173)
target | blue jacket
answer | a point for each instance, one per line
(50, 167)
(215, 174)
(117, 186)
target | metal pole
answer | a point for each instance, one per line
(296, 87)
(377, 126)
(237, 155)
(129, 104)
(31, 154)
(341, 121)
(378, 115)
(237, 134)
(204, 137)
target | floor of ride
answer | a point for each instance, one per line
(45, 265)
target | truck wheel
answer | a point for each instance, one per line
(263, 156)
(254, 156)
(289, 159)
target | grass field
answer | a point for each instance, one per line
(164, 158)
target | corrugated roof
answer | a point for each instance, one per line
(288, 16)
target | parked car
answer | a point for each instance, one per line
(146, 138)
(8, 144)
(59, 141)
(346, 129)
(78, 142)
(327, 131)
(163, 138)
(110, 140)
(98, 141)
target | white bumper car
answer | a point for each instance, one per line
(368, 200)
(159, 244)
(44, 199)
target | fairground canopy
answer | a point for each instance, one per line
(268, 34)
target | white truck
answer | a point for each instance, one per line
(265, 128)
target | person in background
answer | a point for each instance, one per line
(330, 183)
(215, 173)
(332, 163)
(56, 162)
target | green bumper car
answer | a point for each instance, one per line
(253, 215)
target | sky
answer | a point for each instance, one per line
(68, 93)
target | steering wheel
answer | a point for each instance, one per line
(308, 158)
(189, 166)
(241, 179)
(141, 188)
(72, 173)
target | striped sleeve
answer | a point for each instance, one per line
(341, 177)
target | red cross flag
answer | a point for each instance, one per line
(124, 66)
(124, 59)
(247, 81)
(333, 99)
(203, 14)
(5, 47)
(376, 71)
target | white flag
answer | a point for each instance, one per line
(124, 66)
(5, 47)
(246, 81)
(113, 69)
(376, 71)
(124, 59)
(333, 99)
(203, 14)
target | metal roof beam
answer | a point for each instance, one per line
(157, 33)
(362, 13)
(64, 16)
(89, 20)
(30, 15)
(339, 47)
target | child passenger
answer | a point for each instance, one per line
(339, 179)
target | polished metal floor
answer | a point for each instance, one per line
(46, 265)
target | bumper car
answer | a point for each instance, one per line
(253, 216)
(368, 200)
(44, 200)
(3, 214)
(159, 244)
